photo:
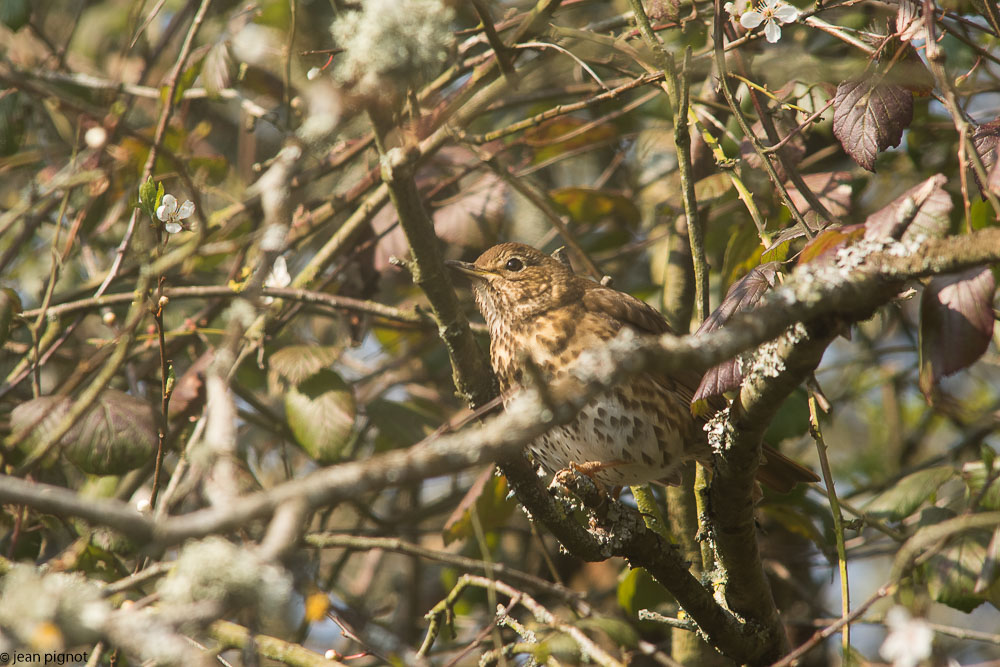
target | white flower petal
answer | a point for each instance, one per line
(730, 8)
(786, 13)
(186, 209)
(173, 227)
(772, 32)
(279, 276)
(170, 202)
(751, 20)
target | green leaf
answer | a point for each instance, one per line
(975, 475)
(587, 205)
(43, 415)
(295, 363)
(148, 197)
(792, 419)
(117, 434)
(638, 590)
(15, 14)
(12, 114)
(951, 573)
(10, 305)
(904, 497)
(400, 424)
(743, 251)
(620, 633)
(320, 412)
(489, 500)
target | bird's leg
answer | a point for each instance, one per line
(589, 469)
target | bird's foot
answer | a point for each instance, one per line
(590, 469)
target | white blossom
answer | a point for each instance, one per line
(770, 13)
(278, 277)
(172, 215)
(909, 640)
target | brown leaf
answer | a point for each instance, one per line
(869, 117)
(956, 323)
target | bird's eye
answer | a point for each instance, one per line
(514, 264)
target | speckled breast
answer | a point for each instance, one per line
(639, 432)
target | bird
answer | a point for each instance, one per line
(542, 315)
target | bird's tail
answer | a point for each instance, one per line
(782, 473)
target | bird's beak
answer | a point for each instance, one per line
(467, 269)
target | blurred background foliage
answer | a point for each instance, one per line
(82, 87)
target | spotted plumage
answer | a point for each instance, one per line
(642, 431)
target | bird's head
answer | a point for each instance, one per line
(513, 282)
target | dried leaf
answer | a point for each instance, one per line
(929, 218)
(869, 117)
(956, 323)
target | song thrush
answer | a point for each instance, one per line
(641, 431)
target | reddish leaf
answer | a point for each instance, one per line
(933, 205)
(986, 139)
(792, 152)
(956, 323)
(743, 295)
(188, 396)
(828, 242)
(468, 219)
(832, 188)
(869, 117)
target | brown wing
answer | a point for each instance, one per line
(626, 308)
(644, 319)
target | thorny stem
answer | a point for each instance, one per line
(838, 522)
